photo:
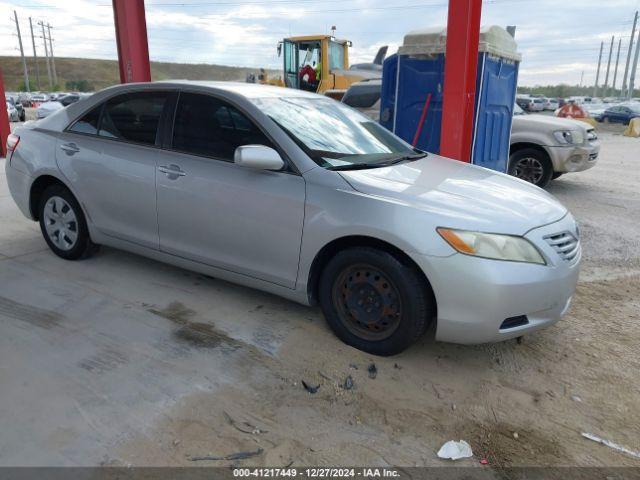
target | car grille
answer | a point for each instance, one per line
(566, 245)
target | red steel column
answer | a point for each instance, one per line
(5, 129)
(461, 64)
(131, 37)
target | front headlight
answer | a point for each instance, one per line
(574, 137)
(491, 245)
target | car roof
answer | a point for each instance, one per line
(248, 90)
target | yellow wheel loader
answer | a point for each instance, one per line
(320, 63)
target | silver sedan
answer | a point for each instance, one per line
(299, 195)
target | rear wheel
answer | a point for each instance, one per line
(374, 302)
(532, 166)
(63, 224)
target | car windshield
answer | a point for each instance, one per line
(334, 135)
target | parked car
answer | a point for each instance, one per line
(47, 108)
(537, 105)
(544, 147)
(25, 99)
(623, 113)
(551, 104)
(68, 99)
(595, 110)
(301, 196)
(12, 113)
(14, 100)
(530, 103)
(524, 102)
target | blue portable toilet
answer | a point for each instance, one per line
(413, 79)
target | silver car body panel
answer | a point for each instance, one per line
(264, 229)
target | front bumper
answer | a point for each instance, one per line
(574, 158)
(475, 296)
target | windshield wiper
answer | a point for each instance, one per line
(364, 166)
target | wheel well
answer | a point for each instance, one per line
(332, 248)
(522, 145)
(37, 189)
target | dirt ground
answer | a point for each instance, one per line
(120, 360)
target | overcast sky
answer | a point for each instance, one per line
(558, 39)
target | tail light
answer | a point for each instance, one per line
(12, 143)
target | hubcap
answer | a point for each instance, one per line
(60, 223)
(529, 169)
(367, 302)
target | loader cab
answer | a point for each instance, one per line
(309, 61)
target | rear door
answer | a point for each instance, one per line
(213, 211)
(109, 156)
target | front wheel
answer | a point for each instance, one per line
(63, 224)
(374, 302)
(532, 166)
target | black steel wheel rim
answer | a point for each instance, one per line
(367, 302)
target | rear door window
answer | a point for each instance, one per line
(133, 117)
(207, 126)
(88, 124)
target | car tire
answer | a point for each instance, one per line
(374, 302)
(23, 116)
(531, 165)
(63, 224)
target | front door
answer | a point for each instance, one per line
(213, 211)
(109, 156)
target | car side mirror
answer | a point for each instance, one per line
(258, 157)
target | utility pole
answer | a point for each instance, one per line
(626, 68)
(595, 87)
(632, 77)
(35, 55)
(24, 61)
(581, 78)
(606, 78)
(53, 59)
(46, 54)
(615, 70)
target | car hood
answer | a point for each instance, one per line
(459, 195)
(547, 121)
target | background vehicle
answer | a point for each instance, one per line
(525, 102)
(621, 113)
(551, 104)
(595, 110)
(225, 191)
(537, 104)
(545, 147)
(47, 108)
(320, 64)
(12, 112)
(38, 98)
(14, 100)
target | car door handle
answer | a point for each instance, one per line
(70, 148)
(172, 171)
